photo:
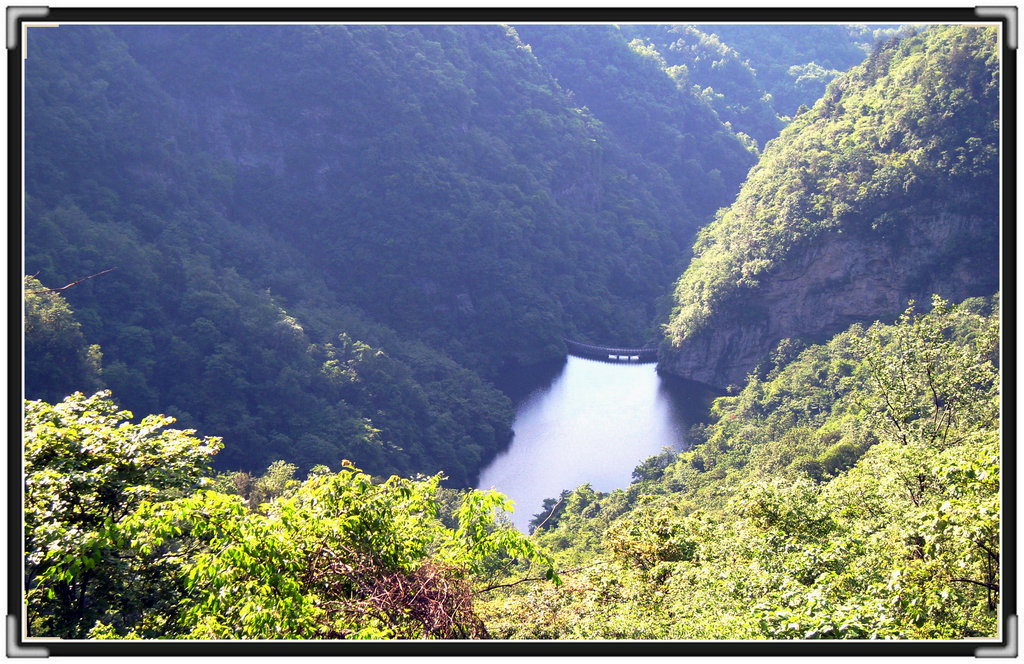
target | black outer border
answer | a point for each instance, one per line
(519, 14)
(16, 646)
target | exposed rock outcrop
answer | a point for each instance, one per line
(839, 280)
(886, 191)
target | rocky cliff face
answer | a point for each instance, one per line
(839, 280)
(886, 191)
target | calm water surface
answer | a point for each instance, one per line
(590, 422)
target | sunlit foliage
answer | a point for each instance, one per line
(853, 493)
(913, 127)
(125, 539)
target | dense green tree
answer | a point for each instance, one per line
(715, 72)
(87, 468)
(124, 538)
(342, 557)
(796, 63)
(57, 358)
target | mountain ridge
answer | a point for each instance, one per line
(896, 162)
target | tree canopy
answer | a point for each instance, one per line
(128, 536)
(911, 133)
(850, 492)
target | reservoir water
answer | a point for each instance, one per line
(590, 421)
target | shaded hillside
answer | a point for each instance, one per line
(410, 204)
(757, 76)
(887, 190)
(442, 182)
(664, 126)
(794, 63)
(717, 73)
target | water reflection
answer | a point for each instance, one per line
(519, 382)
(589, 421)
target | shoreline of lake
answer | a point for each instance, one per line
(589, 422)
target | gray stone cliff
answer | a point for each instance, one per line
(841, 279)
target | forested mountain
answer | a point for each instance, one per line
(794, 63)
(665, 126)
(320, 248)
(885, 191)
(756, 77)
(714, 70)
(271, 195)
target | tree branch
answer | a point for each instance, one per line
(987, 550)
(550, 514)
(509, 585)
(990, 586)
(73, 283)
(535, 578)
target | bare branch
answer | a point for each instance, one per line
(535, 578)
(509, 585)
(73, 283)
(550, 514)
(990, 586)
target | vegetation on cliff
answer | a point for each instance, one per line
(911, 132)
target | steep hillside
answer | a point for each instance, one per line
(885, 191)
(321, 233)
(757, 76)
(794, 63)
(493, 213)
(717, 73)
(663, 125)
